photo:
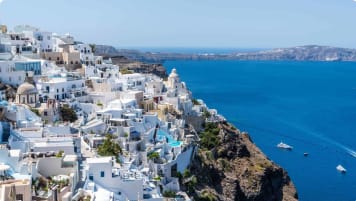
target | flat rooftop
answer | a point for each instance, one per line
(99, 160)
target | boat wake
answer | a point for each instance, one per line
(351, 152)
(321, 137)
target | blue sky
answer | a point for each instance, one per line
(191, 23)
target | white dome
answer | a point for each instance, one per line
(173, 73)
(26, 88)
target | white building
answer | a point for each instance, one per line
(61, 86)
(86, 54)
(124, 184)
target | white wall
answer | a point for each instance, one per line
(130, 188)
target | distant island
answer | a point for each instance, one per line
(299, 53)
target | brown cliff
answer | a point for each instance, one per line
(235, 169)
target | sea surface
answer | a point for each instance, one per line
(308, 105)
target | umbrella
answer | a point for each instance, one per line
(12, 193)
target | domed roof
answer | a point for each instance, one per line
(26, 88)
(173, 73)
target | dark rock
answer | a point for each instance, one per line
(240, 171)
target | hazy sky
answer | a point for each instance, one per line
(191, 23)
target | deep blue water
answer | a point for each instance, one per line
(309, 105)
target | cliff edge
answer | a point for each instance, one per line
(228, 166)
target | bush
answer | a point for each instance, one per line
(153, 155)
(186, 173)
(169, 194)
(195, 102)
(125, 71)
(68, 114)
(109, 147)
(60, 154)
(207, 196)
(206, 114)
(35, 111)
(209, 137)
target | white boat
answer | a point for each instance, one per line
(341, 169)
(284, 146)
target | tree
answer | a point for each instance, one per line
(206, 114)
(109, 147)
(93, 47)
(68, 114)
(209, 137)
(36, 111)
(195, 102)
(153, 156)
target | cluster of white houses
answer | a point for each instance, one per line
(44, 158)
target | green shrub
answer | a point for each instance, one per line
(195, 102)
(207, 196)
(35, 111)
(68, 114)
(125, 71)
(60, 154)
(109, 147)
(153, 155)
(169, 194)
(209, 137)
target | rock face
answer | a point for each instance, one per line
(236, 169)
(119, 58)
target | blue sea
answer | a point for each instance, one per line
(308, 105)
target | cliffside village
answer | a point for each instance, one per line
(47, 154)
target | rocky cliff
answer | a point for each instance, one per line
(130, 63)
(229, 166)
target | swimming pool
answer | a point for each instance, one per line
(161, 135)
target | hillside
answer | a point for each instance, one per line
(229, 166)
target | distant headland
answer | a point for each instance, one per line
(298, 53)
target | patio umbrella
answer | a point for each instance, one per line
(12, 193)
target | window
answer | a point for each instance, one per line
(62, 89)
(45, 113)
(91, 177)
(49, 58)
(57, 90)
(19, 197)
(102, 174)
